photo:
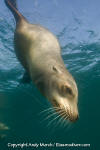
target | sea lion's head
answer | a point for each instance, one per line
(60, 89)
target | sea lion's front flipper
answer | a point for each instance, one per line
(26, 78)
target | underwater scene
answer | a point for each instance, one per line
(25, 115)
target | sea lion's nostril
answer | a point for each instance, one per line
(74, 118)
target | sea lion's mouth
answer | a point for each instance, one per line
(66, 114)
(73, 119)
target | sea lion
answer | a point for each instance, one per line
(39, 52)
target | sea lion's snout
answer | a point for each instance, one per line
(74, 115)
(74, 118)
(68, 114)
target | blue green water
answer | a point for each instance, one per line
(77, 26)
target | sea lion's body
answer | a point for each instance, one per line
(34, 41)
(39, 52)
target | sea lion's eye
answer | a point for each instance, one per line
(66, 90)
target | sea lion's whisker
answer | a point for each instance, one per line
(46, 110)
(49, 116)
(65, 116)
(64, 113)
(53, 120)
(59, 115)
(65, 123)
(49, 109)
(61, 118)
(59, 121)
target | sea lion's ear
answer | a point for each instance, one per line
(56, 69)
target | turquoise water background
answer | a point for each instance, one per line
(76, 24)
